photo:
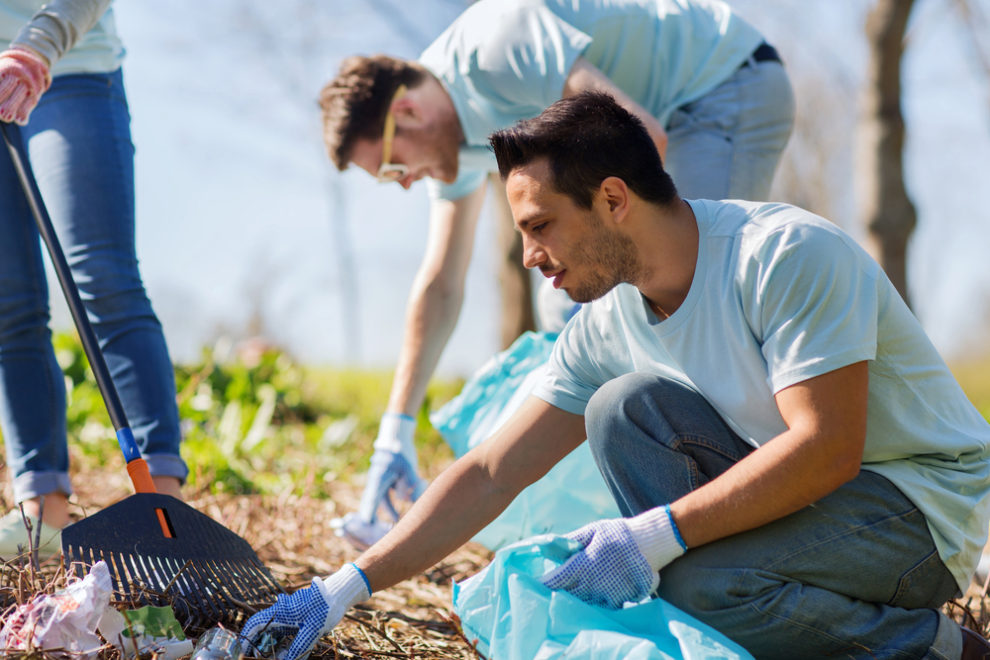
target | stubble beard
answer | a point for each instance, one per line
(611, 260)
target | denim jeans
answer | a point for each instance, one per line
(726, 144)
(79, 143)
(854, 575)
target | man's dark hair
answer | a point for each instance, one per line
(355, 102)
(586, 138)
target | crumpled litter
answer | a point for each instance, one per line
(514, 617)
(70, 618)
(570, 495)
(67, 619)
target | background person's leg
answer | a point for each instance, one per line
(726, 145)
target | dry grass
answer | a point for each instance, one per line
(293, 537)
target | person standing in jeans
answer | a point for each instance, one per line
(61, 81)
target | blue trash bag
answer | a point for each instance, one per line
(514, 617)
(571, 494)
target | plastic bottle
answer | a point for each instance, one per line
(219, 644)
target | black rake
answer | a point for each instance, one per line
(160, 551)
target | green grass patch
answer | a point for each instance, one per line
(258, 423)
(261, 423)
(974, 377)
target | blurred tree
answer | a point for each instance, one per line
(886, 209)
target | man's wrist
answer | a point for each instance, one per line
(657, 536)
(349, 586)
(395, 434)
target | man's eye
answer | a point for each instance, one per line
(536, 229)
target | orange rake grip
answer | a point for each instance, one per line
(137, 468)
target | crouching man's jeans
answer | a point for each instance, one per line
(854, 575)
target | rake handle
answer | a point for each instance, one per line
(136, 467)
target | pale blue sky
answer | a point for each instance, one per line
(239, 209)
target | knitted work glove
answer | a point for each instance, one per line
(620, 559)
(24, 77)
(312, 612)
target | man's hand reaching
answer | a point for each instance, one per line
(311, 612)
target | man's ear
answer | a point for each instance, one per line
(614, 193)
(406, 109)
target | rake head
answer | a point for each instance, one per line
(205, 572)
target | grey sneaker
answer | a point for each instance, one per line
(14, 537)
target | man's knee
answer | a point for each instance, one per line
(632, 400)
(616, 405)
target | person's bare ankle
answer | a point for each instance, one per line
(168, 486)
(56, 513)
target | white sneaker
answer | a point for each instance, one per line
(14, 537)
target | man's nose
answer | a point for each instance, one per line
(533, 254)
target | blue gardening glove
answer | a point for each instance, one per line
(312, 612)
(393, 470)
(620, 559)
(389, 471)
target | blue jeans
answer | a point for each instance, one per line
(80, 147)
(855, 575)
(726, 144)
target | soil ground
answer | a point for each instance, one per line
(293, 537)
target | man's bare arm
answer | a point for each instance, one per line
(435, 299)
(821, 450)
(473, 491)
(585, 76)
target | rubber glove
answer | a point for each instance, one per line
(620, 559)
(393, 470)
(312, 612)
(24, 77)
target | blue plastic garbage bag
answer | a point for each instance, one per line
(514, 617)
(571, 495)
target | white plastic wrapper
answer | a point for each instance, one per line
(67, 619)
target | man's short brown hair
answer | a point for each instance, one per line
(356, 101)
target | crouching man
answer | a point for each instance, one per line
(790, 453)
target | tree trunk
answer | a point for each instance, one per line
(513, 279)
(887, 211)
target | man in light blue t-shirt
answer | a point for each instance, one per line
(794, 462)
(712, 94)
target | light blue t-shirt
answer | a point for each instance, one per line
(506, 60)
(779, 296)
(97, 48)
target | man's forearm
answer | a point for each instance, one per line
(821, 450)
(435, 299)
(473, 491)
(430, 321)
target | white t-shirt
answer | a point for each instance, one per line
(505, 60)
(779, 296)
